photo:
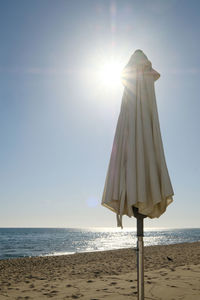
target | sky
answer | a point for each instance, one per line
(58, 117)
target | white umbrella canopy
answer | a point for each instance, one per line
(137, 175)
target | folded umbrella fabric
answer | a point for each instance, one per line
(137, 175)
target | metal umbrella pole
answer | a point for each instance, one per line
(140, 253)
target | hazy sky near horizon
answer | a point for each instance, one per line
(57, 119)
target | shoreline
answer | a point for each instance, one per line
(94, 251)
(98, 272)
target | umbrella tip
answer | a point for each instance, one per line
(138, 50)
(137, 57)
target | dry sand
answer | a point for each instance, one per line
(171, 272)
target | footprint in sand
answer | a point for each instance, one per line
(51, 294)
(76, 296)
(113, 283)
(163, 274)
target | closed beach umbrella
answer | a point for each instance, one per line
(137, 182)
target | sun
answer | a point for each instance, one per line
(109, 74)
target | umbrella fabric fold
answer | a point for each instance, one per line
(137, 174)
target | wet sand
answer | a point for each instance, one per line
(171, 272)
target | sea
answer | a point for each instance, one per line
(28, 242)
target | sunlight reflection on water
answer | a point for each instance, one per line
(20, 242)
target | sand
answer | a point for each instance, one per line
(171, 272)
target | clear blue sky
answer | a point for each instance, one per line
(57, 120)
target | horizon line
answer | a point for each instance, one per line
(92, 227)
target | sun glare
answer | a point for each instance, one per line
(110, 74)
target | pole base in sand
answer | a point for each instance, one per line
(140, 253)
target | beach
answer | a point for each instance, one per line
(171, 272)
